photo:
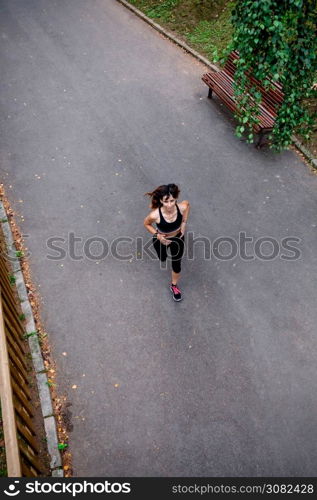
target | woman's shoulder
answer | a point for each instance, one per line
(155, 214)
(183, 205)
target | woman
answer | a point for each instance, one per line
(170, 218)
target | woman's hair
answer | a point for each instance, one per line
(160, 192)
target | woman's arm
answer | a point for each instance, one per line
(185, 209)
(148, 223)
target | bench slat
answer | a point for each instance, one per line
(219, 81)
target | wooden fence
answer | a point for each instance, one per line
(17, 413)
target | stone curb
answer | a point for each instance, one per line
(208, 63)
(35, 349)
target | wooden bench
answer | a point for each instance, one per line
(222, 84)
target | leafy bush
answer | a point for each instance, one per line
(276, 39)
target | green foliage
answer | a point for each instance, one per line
(277, 41)
(212, 36)
(31, 334)
(12, 279)
(50, 383)
(62, 446)
(162, 10)
(19, 254)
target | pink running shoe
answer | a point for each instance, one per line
(177, 295)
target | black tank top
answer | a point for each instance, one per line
(168, 227)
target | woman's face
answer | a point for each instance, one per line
(168, 202)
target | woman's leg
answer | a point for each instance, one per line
(160, 249)
(177, 251)
(175, 277)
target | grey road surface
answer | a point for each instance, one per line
(97, 109)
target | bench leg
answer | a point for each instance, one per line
(260, 141)
(210, 93)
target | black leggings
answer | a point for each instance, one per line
(176, 249)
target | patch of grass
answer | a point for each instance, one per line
(163, 10)
(211, 36)
(50, 383)
(62, 446)
(203, 24)
(31, 334)
(12, 279)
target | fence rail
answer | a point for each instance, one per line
(15, 391)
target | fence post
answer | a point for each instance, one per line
(8, 412)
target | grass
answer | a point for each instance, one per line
(163, 10)
(31, 334)
(203, 24)
(211, 36)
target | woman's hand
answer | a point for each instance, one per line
(163, 240)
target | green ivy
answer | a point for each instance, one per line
(277, 41)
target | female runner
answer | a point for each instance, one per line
(170, 219)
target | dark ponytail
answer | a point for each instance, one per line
(160, 192)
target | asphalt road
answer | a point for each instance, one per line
(98, 108)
